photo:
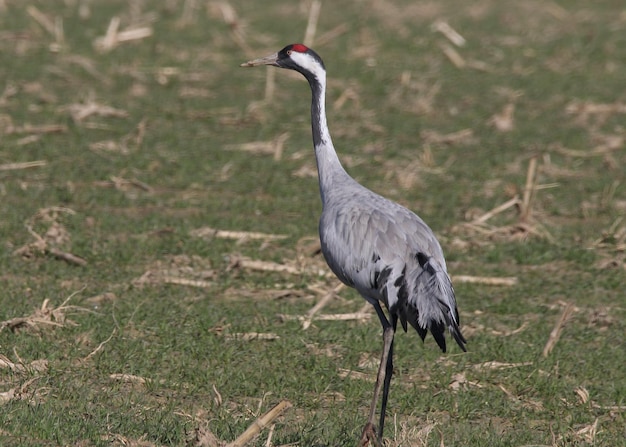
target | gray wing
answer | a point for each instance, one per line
(389, 254)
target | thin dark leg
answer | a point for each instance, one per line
(387, 382)
(369, 431)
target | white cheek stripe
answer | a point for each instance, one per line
(307, 62)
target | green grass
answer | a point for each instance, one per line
(151, 363)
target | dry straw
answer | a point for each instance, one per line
(23, 165)
(114, 37)
(203, 437)
(239, 236)
(555, 335)
(55, 237)
(46, 316)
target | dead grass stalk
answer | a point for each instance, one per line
(555, 335)
(46, 316)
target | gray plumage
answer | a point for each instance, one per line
(380, 248)
(388, 254)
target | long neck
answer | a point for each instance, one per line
(329, 167)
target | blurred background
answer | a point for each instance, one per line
(160, 265)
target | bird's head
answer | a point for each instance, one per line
(294, 57)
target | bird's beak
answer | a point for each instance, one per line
(267, 60)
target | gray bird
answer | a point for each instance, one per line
(380, 248)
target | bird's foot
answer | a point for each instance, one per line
(369, 435)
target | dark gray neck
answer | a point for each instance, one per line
(329, 168)
(318, 118)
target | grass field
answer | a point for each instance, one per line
(159, 205)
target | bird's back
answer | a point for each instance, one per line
(389, 254)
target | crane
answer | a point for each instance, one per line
(372, 244)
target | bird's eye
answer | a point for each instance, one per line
(289, 52)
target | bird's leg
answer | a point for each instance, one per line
(381, 378)
(388, 374)
(369, 434)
